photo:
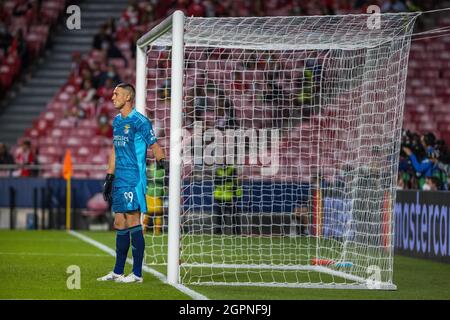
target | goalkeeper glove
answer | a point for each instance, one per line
(107, 187)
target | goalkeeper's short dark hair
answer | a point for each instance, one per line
(129, 87)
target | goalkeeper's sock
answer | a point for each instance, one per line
(122, 246)
(137, 248)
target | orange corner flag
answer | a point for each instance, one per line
(67, 168)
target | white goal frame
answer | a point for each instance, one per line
(176, 24)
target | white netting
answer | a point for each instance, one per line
(305, 114)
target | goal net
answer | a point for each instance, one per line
(283, 135)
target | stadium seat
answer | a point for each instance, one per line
(73, 141)
(99, 159)
(50, 150)
(48, 141)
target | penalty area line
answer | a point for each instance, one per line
(193, 294)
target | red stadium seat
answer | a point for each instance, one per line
(63, 97)
(46, 159)
(33, 133)
(80, 174)
(100, 141)
(99, 159)
(50, 150)
(73, 141)
(48, 141)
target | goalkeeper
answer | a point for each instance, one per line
(126, 181)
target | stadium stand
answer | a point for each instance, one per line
(72, 116)
(25, 27)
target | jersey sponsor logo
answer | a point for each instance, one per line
(120, 141)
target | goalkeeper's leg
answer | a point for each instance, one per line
(122, 243)
(122, 246)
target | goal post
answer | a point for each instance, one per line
(283, 135)
(176, 24)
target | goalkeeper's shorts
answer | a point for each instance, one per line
(125, 199)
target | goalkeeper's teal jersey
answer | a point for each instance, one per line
(132, 136)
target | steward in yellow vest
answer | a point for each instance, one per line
(227, 190)
(156, 190)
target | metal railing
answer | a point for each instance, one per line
(12, 170)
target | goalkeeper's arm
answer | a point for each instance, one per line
(112, 162)
(107, 186)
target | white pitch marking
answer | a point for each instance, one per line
(193, 294)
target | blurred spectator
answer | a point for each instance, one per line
(210, 8)
(445, 167)
(196, 9)
(24, 156)
(75, 110)
(393, 6)
(110, 28)
(301, 218)
(5, 156)
(110, 73)
(132, 43)
(101, 39)
(78, 64)
(423, 157)
(5, 38)
(130, 17)
(225, 118)
(424, 166)
(219, 8)
(87, 93)
(428, 141)
(113, 52)
(158, 126)
(19, 46)
(441, 161)
(237, 82)
(328, 7)
(93, 73)
(400, 182)
(105, 92)
(200, 103)
(4, 14)
(412, 6)
(22, 8)
(431, 184)
(147, 13)
(104, 127)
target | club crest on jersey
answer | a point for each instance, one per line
(127, 128)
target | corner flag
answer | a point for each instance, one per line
(67, 174)
(67, 167)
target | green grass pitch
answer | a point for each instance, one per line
(33, 265)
